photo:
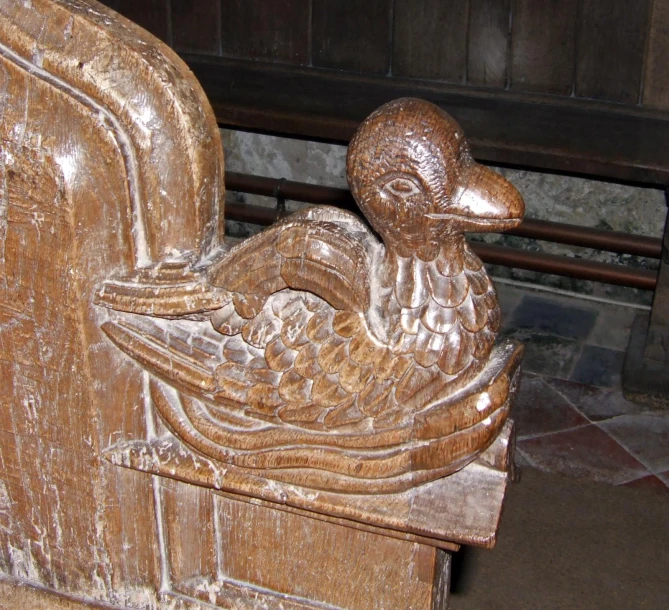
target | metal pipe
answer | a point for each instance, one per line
(612, 241)
(509, 257)
(622, 275)
(599, 239)
(295, 191)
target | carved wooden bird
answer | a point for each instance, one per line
(333, 338)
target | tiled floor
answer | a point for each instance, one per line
(571, 417)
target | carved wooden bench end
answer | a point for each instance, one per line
(323, 408)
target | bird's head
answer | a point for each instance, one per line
(411, 171)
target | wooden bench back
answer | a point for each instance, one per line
(569, 85)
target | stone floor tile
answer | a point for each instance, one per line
(539, 409)
(594, 402)
(612, 328)
(546, 354)
(645, 436)
(583, 453)
(544, 315)
(650, 482)
(598, 366)
(664, 476)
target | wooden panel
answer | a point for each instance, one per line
(430, 39)
(152, 15)
(611, 40)
(570, 135)
(191, 550)
(322, 561)
(266, 29)
(656, 81)
(488, 42)
(196, 26)
(542, 45)
(352, 35)
(130, 529)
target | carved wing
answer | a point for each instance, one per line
(322, 250)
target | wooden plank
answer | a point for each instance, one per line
(542, 46)
(656, 80)
(352, 35)
(191, 552)
(578, 136)
(488, 42)
(611, 41)
(130, 533)
(391, 533)
(430, 39)
(437, 510)
(266, 29)
(321, 561)
(152, 15)
(196, 26)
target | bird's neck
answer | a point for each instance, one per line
(395, 275)
(452, 247)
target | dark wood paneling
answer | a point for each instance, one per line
(430, 39)
(266, 29)
(542, 44)
(152, 15)
(352, 35)
(656, 82)
(488, 42)
(611, 39)
(577, 136)
(196, 26)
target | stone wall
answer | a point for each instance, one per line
(589, 203)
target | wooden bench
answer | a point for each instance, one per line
(311, 418)
(576, 87)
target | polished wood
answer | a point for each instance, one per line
(547, 230)
(311, 417)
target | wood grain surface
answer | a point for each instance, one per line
(352, 35)
(489, 41)
(611, 43)
(430, 39)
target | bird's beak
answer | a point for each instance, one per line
(488, 202)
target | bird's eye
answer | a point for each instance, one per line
(402, 187)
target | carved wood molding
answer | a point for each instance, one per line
(435, 512)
